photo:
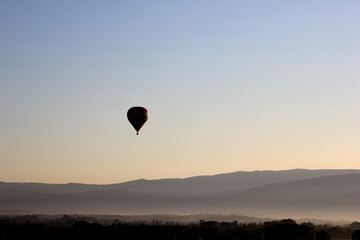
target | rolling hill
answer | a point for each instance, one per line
(304, 193)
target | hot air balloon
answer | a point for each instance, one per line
(137, 117)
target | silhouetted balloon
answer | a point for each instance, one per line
(137, 117)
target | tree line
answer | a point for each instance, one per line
(69, 228)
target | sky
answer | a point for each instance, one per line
(229, 86)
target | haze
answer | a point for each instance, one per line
(229, 85)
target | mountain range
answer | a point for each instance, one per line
(297, 193)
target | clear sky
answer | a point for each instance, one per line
(229, 85)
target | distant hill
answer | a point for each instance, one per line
(198, 185)
(304, 193)
(332, 197)
(222, 183)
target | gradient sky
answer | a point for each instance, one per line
(229, 85)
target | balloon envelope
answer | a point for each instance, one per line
(137, 117)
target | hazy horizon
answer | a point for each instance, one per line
(322, 194)
(181, 178)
